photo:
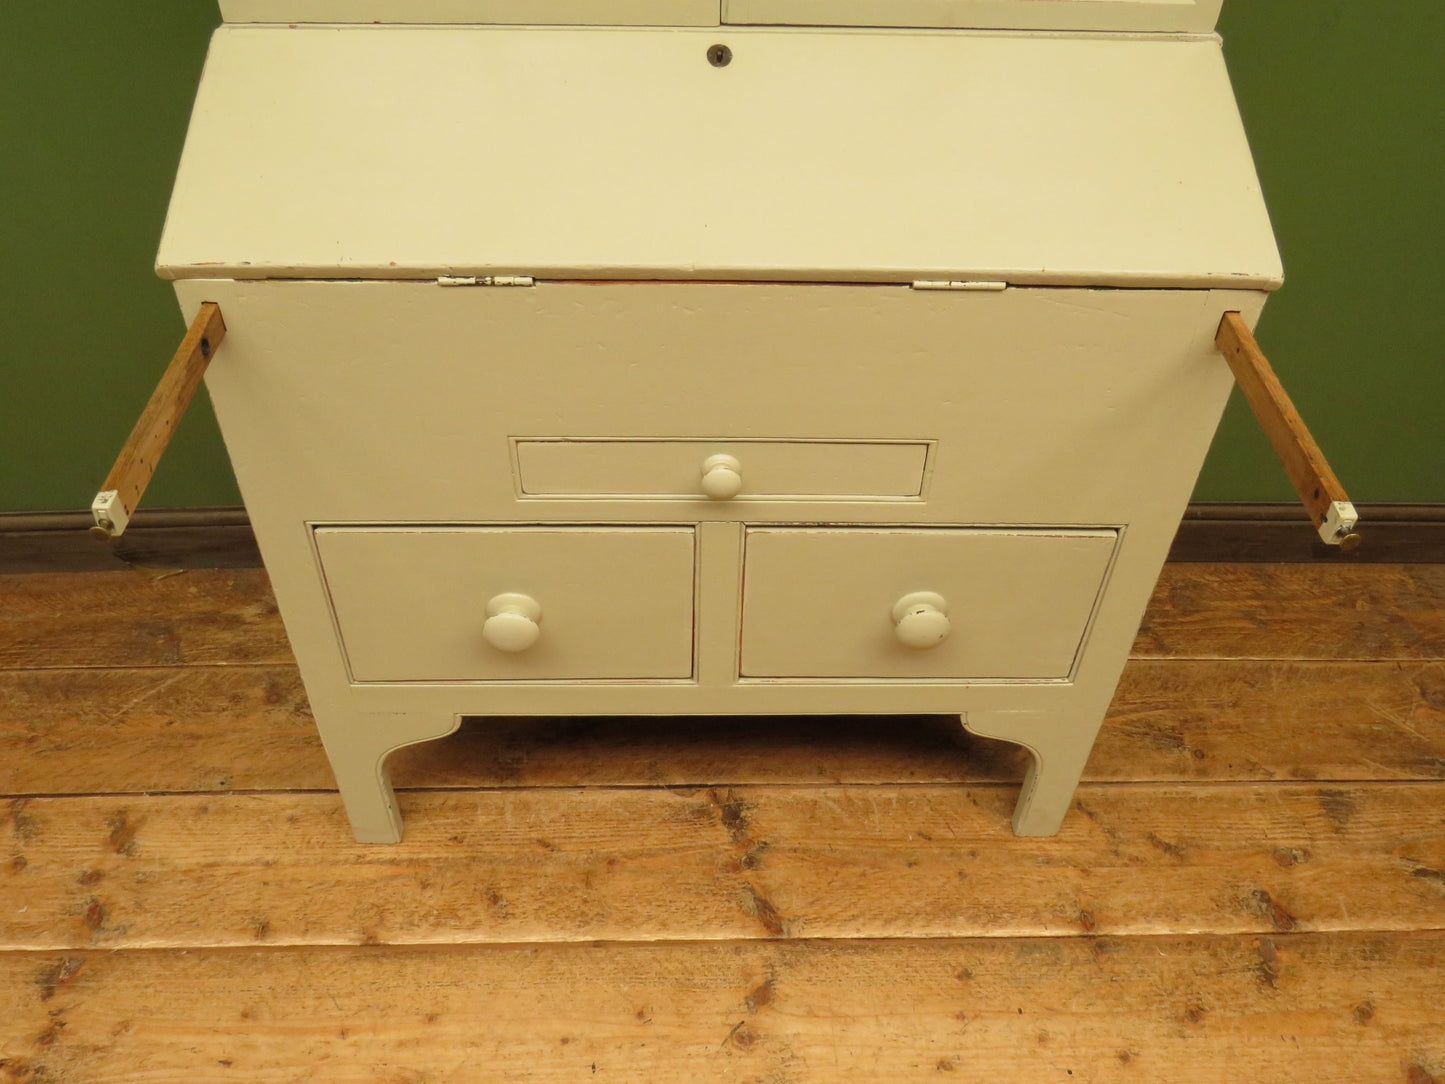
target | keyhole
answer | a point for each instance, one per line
(719, 56)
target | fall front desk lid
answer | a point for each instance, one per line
(809, 155)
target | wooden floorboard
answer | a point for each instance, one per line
(1296, 612)
(139, 618)
(1363, 1008)
(1255, 611)
(1251, 886)
(220, 728)
(657, 864)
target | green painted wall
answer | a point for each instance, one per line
(94, 98)
(1344, 102)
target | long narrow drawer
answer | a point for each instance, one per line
(923, 604)
(768, 469)
(413, 603)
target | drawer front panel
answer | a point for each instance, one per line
(411, 604)
(769, 469)
(1005, 605)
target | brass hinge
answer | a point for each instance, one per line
(950, 284)
(485, 280)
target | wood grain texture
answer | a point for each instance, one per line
(157, 423)
(1308, 470)
(602, 864)
(1285, 611)
(1246, 720)
(139, 618)
(1091, 198)
(1256, 611)
(158, 729)
(1278, 1008)
(1225, 921)
(213, 728)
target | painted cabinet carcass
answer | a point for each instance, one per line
(639, 361)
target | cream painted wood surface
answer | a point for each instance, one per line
(1046, 404)
(1045, 408)
(805, 184)
(1134, 15)
(410, 603)
(769, 469)
(817, 601)
(814, 155)
(531, 12)
(1193, 16)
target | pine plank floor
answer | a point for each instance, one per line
(1250, 887)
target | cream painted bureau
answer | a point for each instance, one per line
(788, 356)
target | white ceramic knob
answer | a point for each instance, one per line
(722, 477)
(513, 622)
(920, 620)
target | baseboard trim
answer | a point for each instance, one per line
(161, 538)
(222, 538)
(1258, 533)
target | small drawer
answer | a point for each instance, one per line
(765, 470)
(511, 603)
(942, 604)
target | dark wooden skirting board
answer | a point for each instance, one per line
(1391, 533)
(179, 538)
(222, 538)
